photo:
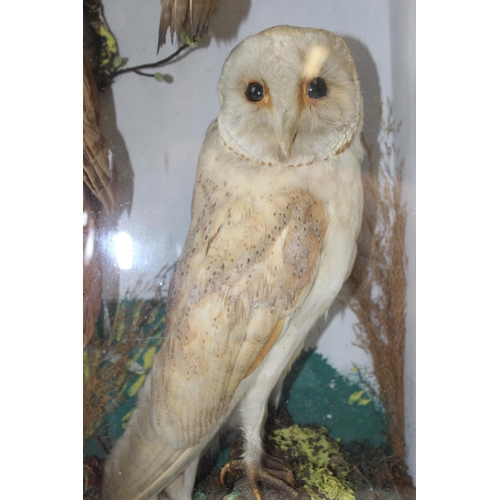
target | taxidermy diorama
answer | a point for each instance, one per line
(276, 213)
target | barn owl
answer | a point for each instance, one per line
(276, 212)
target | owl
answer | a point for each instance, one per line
(276, 212)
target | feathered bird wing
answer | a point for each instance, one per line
(248, 263)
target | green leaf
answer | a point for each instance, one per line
(158, 77)
(355, 396)
(117, 61)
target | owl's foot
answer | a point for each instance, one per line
(274, 472)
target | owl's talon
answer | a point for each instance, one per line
(230, 466)
(272, 477)
(275, 472)
(280, 468)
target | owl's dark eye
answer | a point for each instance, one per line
(317, 88)
(254, 92)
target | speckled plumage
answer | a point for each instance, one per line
(275, 217)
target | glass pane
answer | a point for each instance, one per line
(275, 243)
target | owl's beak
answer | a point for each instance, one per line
(286, 147)
(286, 130)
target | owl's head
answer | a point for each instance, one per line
(289, 95)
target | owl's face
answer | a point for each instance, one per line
(289, 96)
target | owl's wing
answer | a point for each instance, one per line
(246, 267)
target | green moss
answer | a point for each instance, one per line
(318, 462)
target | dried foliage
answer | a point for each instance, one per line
(92, 477)
(109, 354)
(379, 280)
(92, 271)
(97, 158)
(378, 475)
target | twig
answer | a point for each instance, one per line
(137, 69)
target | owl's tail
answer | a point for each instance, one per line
(141, 466)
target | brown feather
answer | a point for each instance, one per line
(192, 16)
